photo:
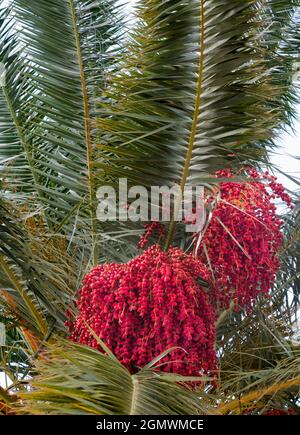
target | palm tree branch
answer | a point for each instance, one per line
(23, 141)
(253, 396)
(22, 292)
(88, 138)
(193, 132)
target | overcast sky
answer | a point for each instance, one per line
(287, 154)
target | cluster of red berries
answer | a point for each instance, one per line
(243, 238)
(150, 228)
(157, 301)
(151, 304)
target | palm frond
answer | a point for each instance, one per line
(75, 379)
(259, 360)
(56, 55)
(202, 87)
(15, 354)
(259, 400)
(38, 278)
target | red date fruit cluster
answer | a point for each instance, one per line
(151, 304)
(242, 241)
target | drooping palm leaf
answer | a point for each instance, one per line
(274, 382)
(75, 379)
(57, 55)
(37, 276)
(15, 355)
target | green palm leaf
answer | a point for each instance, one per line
(76, 379)
(37, 276)
(56, 56)
(202, 88)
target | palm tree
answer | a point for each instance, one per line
(89, 97)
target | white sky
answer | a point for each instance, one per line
(286, 157)
(4, 381)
